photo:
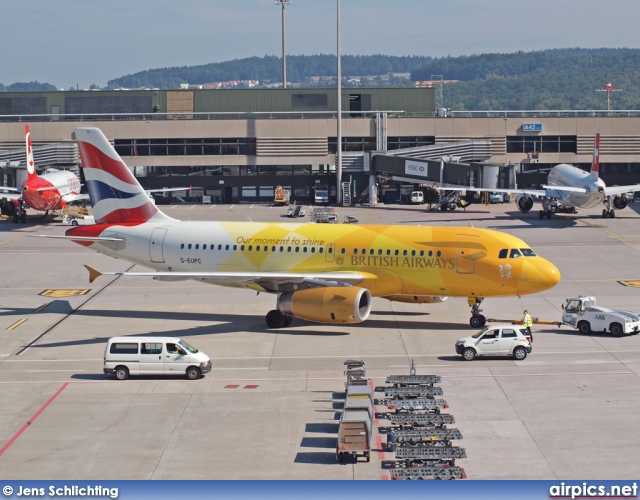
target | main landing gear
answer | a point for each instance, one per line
(608, 212)
(275, 319)
(477, 320)
(21, 214)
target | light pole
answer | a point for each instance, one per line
(339, 124)
(284, 54)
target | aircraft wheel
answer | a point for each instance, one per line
(549, 212)
(15, 218)
(477, 321)
(541, 214)
(604, 213)
(287, 320)
(612, 213)
(275, 319)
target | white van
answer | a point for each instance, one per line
(126, 356)
(417, 197)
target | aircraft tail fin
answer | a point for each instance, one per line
(595, 166)
(115, 194)
(31, 167)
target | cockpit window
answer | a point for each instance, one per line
(515, 253)
(503, 253)
(527, 252)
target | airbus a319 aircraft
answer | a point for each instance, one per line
(319, 272)
(570, 188)
(50, 191)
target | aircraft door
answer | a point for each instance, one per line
(465, 255)
(155, 244)
(330, 252)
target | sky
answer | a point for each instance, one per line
(77, 43)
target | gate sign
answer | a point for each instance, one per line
(416, 168)
(532, 127)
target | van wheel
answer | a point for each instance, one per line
(519, 353)
(122, 373)
(193, 373)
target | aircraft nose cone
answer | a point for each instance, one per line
(549, 273)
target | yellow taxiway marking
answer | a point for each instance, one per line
(41, 307)
(615, 235)
(38, 228)
(17, 324)
(11, 239)
(631, 283)
(61, 292)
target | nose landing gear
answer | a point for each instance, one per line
(477, 320)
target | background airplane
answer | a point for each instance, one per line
(570, 188)
(50, 191)
(324, 273)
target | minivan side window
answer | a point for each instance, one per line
(508, 333)
(151, 348)
(124, 348)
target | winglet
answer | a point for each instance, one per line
(93, 273)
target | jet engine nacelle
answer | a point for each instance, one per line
(327, 305)
(524, 202)
(620, 202)
(416, 299)
(7, 208)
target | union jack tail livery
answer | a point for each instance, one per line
(115, 194)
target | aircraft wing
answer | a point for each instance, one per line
(275, 282)
(548, 191)
(167, 190)
(69, 198)
(616, 190)
(11, 196)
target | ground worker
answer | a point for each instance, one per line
(527, 322)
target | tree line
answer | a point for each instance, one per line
(558, 79)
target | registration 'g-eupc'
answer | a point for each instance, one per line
(126, 356)
(319, 272)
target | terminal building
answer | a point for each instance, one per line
(236, 146)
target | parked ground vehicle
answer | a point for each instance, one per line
(124, 356)
(582, 313)
(496, 340)
(75, 220)
(417, 197)
(354, 435)
(321, 195)
(281, 196)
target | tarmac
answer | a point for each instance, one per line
(270, 407)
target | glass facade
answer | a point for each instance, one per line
(542, 144)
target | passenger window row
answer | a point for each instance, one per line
(312, 249)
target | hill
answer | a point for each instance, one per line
(550, 79)
(560, 79)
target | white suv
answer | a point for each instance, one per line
(496, 340)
